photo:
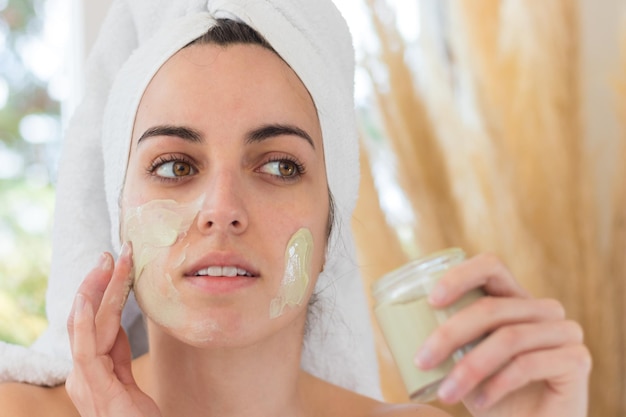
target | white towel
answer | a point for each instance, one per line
(137, 37)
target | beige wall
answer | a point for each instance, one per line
(600, 23)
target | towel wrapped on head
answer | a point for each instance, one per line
(137, 37)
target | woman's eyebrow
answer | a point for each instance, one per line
(182, 132)
(273, 130)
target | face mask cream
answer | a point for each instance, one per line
(297, 269)
(153, 228)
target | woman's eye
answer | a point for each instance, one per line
(282, 168)
(174, 169)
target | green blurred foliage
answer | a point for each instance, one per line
(24, 259)
(26, 190)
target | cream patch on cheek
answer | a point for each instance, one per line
(153, 228)
(296, 279)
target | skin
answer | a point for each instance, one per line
(241, 193)
(533, 363)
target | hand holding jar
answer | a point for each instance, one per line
(464, 330)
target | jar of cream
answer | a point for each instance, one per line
(406, 319)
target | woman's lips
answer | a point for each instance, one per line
(223, 271)
(221, 264)
(220, 284)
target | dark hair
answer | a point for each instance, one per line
(228, 32)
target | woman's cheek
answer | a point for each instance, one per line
(153, 228)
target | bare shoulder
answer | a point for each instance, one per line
(407, 410)
(30, 400)
(329, 400)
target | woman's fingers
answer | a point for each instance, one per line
(95, 375)
(105, 289)
(82, 331)
(109, 312)
(527, 351)
(101, 381)
(92, 288)
(513, 345)
(564, 370)
(480, 318)
(484, 271)
(88, 368)
(122, 359)
(83, 342)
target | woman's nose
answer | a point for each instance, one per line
(223, 209)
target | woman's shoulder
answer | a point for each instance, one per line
(331, 400)
(27, 400)
(406, 410)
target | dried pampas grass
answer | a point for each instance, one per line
(491, 154)
(617, 246)
(421, 164)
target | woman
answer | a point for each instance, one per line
(226, 208)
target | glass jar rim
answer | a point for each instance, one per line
(417, 269)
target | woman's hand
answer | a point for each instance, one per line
(101, 382)
(532, 363)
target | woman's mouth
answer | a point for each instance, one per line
(223, 271)
(221, 279)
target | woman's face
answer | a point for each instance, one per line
(225, 200)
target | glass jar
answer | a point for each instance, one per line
(406, 319)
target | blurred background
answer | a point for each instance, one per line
(493, 125)
(33, 87)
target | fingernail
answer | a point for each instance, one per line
(105, 262)
(448, 390)
(79, 304)
(424, 357)
(438, 295)
(125, 249)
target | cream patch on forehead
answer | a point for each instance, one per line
(296, 278)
